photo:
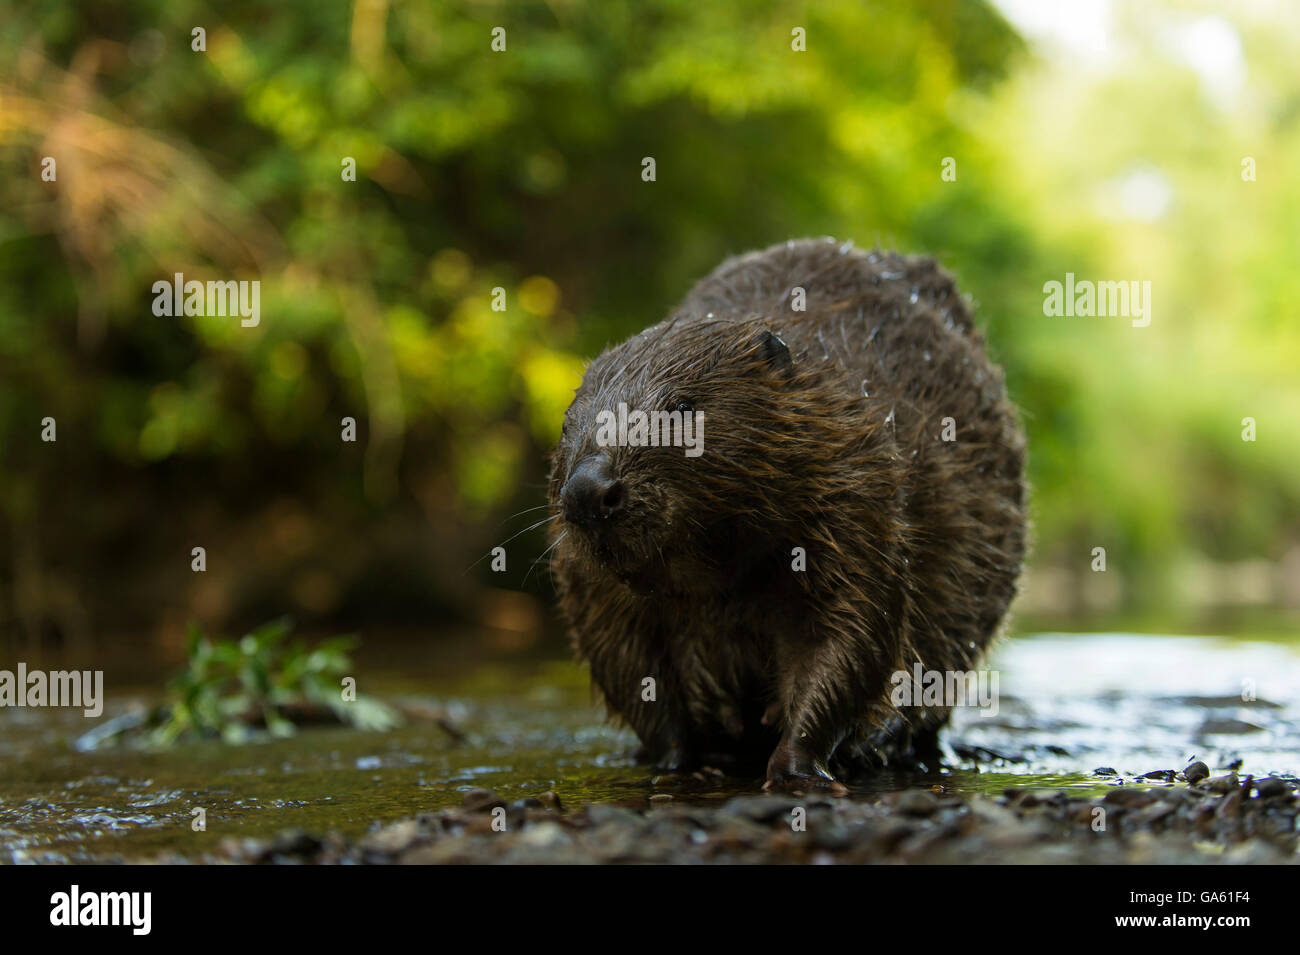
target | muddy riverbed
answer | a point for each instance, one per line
(510, 761)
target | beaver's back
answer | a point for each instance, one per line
(854, 302)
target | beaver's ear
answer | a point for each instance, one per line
(776, 352)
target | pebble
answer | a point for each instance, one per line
(1165, 775)
(599, 814)
(1271, 786)
(1130, 797)
(482, 800)
(916, 802)
(294, 842)
(1223, 784)
(764, 808)
(545, 835)
(394, 838)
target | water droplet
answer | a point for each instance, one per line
(846, 247)
(915, 296)
(864, 389)
(927, 354)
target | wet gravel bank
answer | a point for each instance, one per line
(1225, 819)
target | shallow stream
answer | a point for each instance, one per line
(1068, 706)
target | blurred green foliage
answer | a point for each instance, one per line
(521, 170)
(235, 690)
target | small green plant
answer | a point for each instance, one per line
(261, 683)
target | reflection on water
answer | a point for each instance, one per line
(1142, 704)
(1069, 705)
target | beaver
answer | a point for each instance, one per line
(858, 508)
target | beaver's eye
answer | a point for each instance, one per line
(685, 405)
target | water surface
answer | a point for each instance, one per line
(1068, 706)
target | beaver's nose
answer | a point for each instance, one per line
(592, 492)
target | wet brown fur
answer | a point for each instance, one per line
(913, 543)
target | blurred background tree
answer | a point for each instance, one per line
(521, 170)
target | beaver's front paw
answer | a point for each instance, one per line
(793, 769)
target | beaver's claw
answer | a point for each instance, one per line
(792, 769)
